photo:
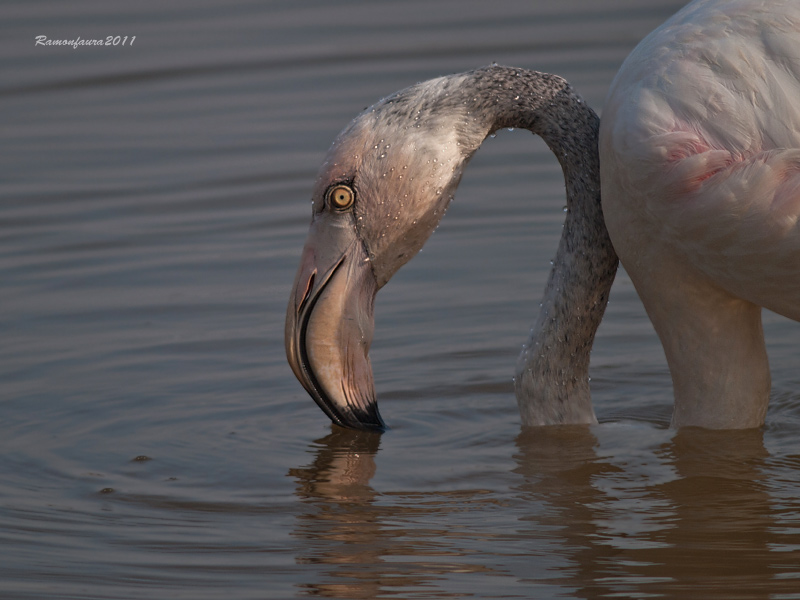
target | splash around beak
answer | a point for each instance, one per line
(330, 321)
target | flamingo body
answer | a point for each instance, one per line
(700, 174)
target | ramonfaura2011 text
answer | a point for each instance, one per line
(111, 40)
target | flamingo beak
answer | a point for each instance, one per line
(329, 325)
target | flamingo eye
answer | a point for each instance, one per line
(340, 197)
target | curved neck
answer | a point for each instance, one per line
(552, 376)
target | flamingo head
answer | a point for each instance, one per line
(381, 191)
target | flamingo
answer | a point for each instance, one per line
(698, 153)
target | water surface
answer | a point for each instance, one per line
(154, 199)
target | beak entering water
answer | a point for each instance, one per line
(329, 325)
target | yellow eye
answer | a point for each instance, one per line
(341, 197)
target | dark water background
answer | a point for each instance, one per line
(154, 199)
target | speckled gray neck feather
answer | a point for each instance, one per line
(552, 375)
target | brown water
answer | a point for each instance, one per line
(154, 199)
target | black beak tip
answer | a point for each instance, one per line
(368, 419)
(364, 420)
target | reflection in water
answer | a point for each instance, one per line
(344, 529)
(385, 544)
(723, 543)
(559, 466)
(697, 522)
(610, 511)
(342, 469)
